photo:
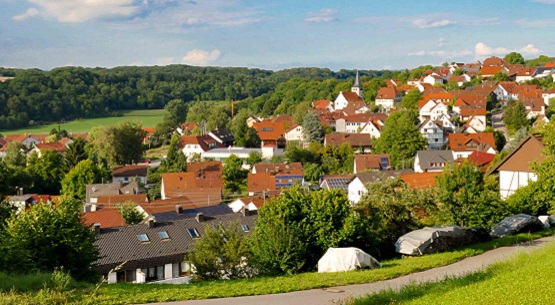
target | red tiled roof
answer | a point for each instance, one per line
(370, 161)
(472, 111)
(205, 167)
(387, 93)
(354, 139)
(459, 141)
(321, 104)
(421, 180)
(261, 181)
(54, 146)
(493, 61)
(130, 170)
(107, 218)
(490, 70)
(295, 168)
(270, 131)
(481, 159)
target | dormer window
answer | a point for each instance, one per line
(143, 238)
(164, 235)
(193, 233)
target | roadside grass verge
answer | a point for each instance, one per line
(525, 279)
(157, 153)
(147, 293)
(149, 118)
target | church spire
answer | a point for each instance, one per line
(357, 87)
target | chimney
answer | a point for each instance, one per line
(245, 211)
(96, 227)
(93, 207)
(151, 222)
(200, 217)
(178, 209)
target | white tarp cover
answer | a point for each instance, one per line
(346, 259)
(415, 242)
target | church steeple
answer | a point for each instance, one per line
(357, 87)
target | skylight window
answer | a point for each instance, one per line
(163, 235)
(143, 238)
(245, 228)
(193, 233)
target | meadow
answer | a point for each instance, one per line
(149, 118)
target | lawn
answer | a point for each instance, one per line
(524, 279)
(133, 293)
(149, 118)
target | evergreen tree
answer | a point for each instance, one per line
(175, 160)
(312, 128)
(75, 153)
(515, 116)
(252, 140)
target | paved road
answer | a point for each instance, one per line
(498, 124)
(332, 295)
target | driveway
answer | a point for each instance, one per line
(335, 294)
(498, 124)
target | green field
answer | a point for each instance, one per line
(149, 118)
(525, 279)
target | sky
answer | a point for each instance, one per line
(270, 34)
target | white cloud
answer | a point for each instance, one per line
(30, 12)
(325, 15)
(199, 57)
(164, 61)
(419, 53)
(426, 24)
(80, 10)
(538, 23)
(482, 50)
(442, 53)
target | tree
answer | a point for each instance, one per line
(515, 116)
(518, 136)
(130, 214)
(252, 140)
(75, 153)
(500, 77)
(391, 209)
(467, 198)
(175, 112)
(296, 228)
(254, 158)
(62, 241)
(312, 128)
(46, 171)
(120, 143)
(233, 174)
(221, 253)
(514, 58)
(410, 100)
(400, 138)
(175, 161)
(15, 156)
(75, 181)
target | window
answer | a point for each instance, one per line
(193, 233)
(143, 238)
(163, 235)
(245, 228)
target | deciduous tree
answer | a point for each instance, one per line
(75, 181)
(120, 143)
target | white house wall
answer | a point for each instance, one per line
(356, 190)
(510, 181)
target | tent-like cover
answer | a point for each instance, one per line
(418, 242)
(516, 224)
(346, 259)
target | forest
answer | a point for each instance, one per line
(36, 97)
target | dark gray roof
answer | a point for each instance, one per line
(223, 135)
(95, 190)
(357, 81)
(215, 210)
(427, 157)
(121, 244)
(377, 176)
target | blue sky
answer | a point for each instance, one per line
(270, 34)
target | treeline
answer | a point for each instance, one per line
(34, 96)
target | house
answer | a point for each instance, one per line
(186, 129)
(420, 180)
(202, 188)
(23, 202)
(114, 201)
(371, 162)
(126, 173)
(475, 124)
(480, 159)
(358, 141)
(432, 109)
(271, 134)
(295, 133)
(525, 74)
(323, 105)
(388, 97)
(356, 188)
(223, 137)
(56, 147)
(156, 251)
(432, 160)
(433, 79)
(515, 170)
(434, 132)
(206, 167)
(93, 191)
(373, 128)
(251, 203)
(330, 182)
(493, 61)
(106, 218)
(271, 177)
(460, 79)
(352, 102)
(490, 71)
(29, 141)
(191, 145)
(467, 112)
(463, 144)
(371, 123)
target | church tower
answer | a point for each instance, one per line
(357, 87)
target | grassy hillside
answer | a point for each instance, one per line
(525, 279)
(149, 118)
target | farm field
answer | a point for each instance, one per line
(149, 118)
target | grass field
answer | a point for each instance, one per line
(525, 279)
(134, 293)
(149, 118)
